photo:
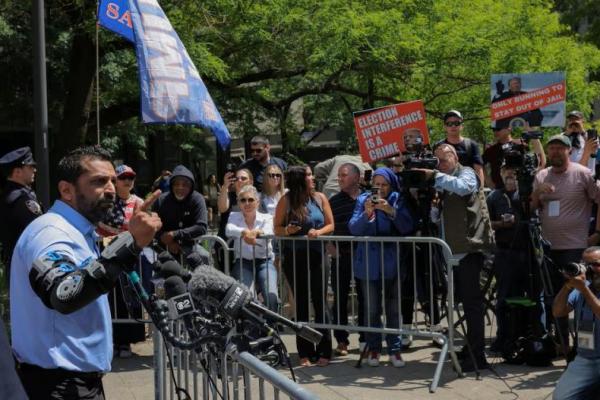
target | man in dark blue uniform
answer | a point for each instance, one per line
(18, 205)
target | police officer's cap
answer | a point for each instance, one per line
(17, 158)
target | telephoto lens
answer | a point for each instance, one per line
(573, 269)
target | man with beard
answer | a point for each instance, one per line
(564, 193)
(583, 148)
(261, 158)
(61, 326)
(18, 205)
(183, 214)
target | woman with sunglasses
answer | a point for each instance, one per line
(304, 212)
(233, 182)
(253, 256)
(126, 203)
(272, 190)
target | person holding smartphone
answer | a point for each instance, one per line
(381, 212)
(583, 144)
(302, 211)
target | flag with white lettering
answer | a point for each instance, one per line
(172, 91)
(115, 16)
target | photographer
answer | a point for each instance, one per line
(463, 200)
(510, 255)
(581, 380)
(583, 145)
(494, 154)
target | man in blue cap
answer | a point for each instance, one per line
(18, 203)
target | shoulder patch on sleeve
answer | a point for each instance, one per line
(34, 207)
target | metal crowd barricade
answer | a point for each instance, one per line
(206, 375)
(419, 285)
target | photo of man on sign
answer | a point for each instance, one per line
(389, 131)
(527, 101)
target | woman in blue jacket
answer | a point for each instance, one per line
(384, 215)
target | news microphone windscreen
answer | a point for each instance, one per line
(195, 259)
(170, 268)
(208, 281)
(174, 286)
(165, 256)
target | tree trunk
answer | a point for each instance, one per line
(78, 98)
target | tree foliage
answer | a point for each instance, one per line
(292, 66)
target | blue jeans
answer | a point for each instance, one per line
(373, 293)
(580, 381)
(265, 277)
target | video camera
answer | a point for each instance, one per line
(573, 269)
(419, 157)
(516, 156)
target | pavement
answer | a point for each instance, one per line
(132, 379)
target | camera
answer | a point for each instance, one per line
(425, 161)
(573, 269)
(515, 156)
(533, 135)
(375, 195)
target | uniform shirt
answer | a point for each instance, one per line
(237, 224)
(80, 341)
(19, 206)
(584, 313)
(565, 213)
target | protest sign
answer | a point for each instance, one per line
(528, 100)
(388, 131)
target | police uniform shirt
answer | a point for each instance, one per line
(80, 341)
(18, 208)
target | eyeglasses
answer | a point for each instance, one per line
(278, 176)
(453, 123)
(256, 151)
(247, 200)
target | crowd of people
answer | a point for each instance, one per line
(53, 279)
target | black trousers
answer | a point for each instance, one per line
(468, 291)
(308, 278)
(60, 384)
(341, 274)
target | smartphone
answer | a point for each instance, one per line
(592, 134)
(374, 195)
(368, 175)
(230, 167)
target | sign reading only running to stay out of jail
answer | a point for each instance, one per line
(385, 132)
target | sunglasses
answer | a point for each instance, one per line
(453, 123)
(247, 200)
(278, 176)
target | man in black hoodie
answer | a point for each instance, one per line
(182, 211)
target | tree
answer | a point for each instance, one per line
(260, 58)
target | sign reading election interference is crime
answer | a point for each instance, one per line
(385, 132)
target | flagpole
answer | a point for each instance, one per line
(40, 104)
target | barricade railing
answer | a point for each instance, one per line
(420, 270)
(218, 374)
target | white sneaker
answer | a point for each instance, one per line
(373, 359)
(397, 360)
(407, 339)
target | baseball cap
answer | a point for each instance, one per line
(575, 114)
(562, 139)
(125, 170)
(452, 113)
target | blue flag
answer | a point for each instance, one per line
(115, 16)
(172, 91)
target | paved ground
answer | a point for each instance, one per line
(133, 378)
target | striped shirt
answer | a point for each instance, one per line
(342, 207)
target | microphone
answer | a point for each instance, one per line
(180, 303)
(171, 268)
(236, 299)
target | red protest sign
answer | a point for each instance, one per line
(528, 101)
(388, 131)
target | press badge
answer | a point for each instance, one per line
(585, 335)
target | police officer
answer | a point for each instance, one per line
(60, 318)
(19, 205)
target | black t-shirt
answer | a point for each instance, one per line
(467, 150)
(501, 202)
(258, 169)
